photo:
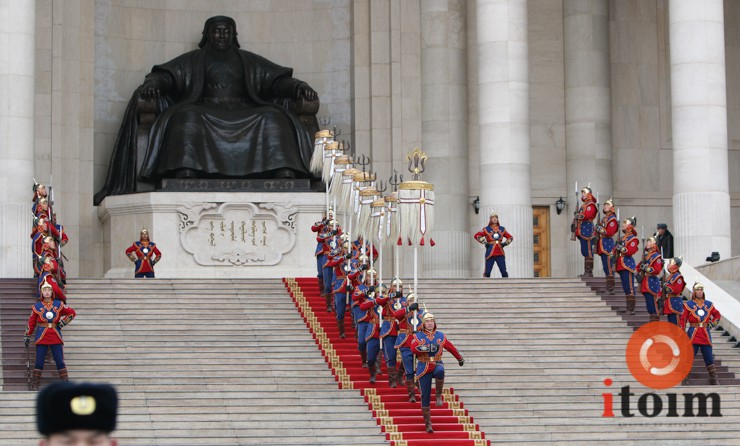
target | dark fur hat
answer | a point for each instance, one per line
(64, 406)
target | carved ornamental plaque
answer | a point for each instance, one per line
(238, 234)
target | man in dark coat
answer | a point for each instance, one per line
(222, 112)
(665, 241)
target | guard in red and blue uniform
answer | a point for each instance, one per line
(39, 193)
(334, 242)
(408, 324)
(650, 269)
(673, 291)
(48, 316)
(605, 231)
(325, 230)
(43, 246)
(145, 254)
(359, 295)
(49, 272)
(428, 346)
(584, 229)
(627, 246)
(372, 331)
(391, 302)
(698, 318)
(495, 238)
(346, 269)
(40, 209)
(357, 251)
(365, 279)
(42, 237)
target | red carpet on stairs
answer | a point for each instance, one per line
(401, 421)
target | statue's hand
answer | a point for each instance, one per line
(307, 92)
(152, 89)
(150, 92)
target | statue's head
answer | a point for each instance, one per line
(220, 33)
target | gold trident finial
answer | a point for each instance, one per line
(416, 160)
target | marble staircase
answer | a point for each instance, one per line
(231, 361)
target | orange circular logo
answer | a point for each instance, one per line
(659, 355)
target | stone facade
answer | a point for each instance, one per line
(395, 74)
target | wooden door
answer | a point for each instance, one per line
(541, 240)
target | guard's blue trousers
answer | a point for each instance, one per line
(57, 352)
(425, 383)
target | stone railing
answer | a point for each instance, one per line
(728, 269)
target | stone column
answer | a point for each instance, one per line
(444, 130)
(588, 136)
(701, 200)
(17, 51)
(503, 118)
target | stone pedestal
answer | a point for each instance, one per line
(214, 234)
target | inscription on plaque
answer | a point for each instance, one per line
(237, 234)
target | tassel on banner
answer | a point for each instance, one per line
(317, 159)
(360, 181)
(344, 193)
(416, 201)
(416, 209)
(392, 220)
(331, 151)
(378, 213)
(341, 164)
(368, 195)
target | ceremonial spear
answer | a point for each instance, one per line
(575, 220)
(393, 221)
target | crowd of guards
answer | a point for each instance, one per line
(51, 312)
(388, 321)
(655, 273)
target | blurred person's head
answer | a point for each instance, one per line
(72, 414)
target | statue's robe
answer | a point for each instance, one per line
(204, 126)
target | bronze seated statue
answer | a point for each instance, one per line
(215, 112)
